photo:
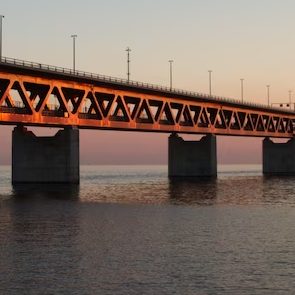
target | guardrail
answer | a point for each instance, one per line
(125, 82)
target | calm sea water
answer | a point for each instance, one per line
(131, 230)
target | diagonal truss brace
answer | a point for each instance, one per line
(49, 102)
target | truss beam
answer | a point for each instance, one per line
(39, 101)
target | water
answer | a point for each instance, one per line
(129, 230)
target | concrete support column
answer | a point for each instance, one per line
(192, 158)
(45, 159)
(278, 158)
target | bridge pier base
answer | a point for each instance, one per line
(278, 158)
(45, 159)
(192, 158)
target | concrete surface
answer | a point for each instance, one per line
(278, 158)
(192, 158)
(45, 159)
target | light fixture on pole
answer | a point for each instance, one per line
(242, 89)
(128, 63)
(170, 62)
(74, 51)
(268, 103)
(210, 90)
(1, 18)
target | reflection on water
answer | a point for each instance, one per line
(131, 230)
(235, 185)
(39, 239)
(278, 190)
(193, 191)
(58, 191)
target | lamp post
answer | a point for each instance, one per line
(74, 51)
(210, 89)
(290, 98)
(128, 63)
(267, 86)
(242, 89)
(1, 18)
(170, 62)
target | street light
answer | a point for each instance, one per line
(1, 18)
(210, 90)
(128, 63)
(242, 89)
(74, 51)
(267, 86)
(170, 62)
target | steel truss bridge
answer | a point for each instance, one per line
(40, 95)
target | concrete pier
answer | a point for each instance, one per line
(278, 158)
(192, 158)
(45, 159)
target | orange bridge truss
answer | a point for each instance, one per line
(38, 95)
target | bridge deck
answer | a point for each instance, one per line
(42, 95)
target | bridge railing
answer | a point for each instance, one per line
(120, 81)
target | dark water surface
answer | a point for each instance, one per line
(131, 230)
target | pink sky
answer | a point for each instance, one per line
(113, 147)
(233, 38)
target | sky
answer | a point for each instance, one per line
(235, 39)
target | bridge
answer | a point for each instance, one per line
(34, 94)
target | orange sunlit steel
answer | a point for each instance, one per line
(46, 97)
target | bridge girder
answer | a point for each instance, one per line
(41, 101)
